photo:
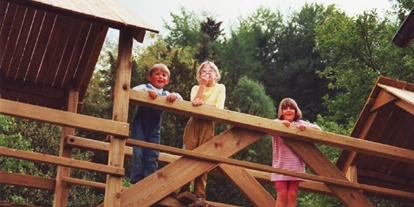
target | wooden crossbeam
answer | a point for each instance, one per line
(259, 196)
(27, 181)
(271, 127)
(63, 118)
(182, 171)
(44, 158)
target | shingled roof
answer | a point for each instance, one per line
(50, 46)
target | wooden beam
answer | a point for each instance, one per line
(242, 179)
(272, 127)
(50, 159)
(27, 181)
(119, 113)
(63, 118)
(383, 99)
(406, 106)
(260, 172)
(321, 165)
(62, 189)
(173, 176)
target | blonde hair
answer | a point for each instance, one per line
(288, 102)
(204, 64)
(161, 67)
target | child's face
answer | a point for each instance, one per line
(159, 78)
(288, 113)
(209, 74)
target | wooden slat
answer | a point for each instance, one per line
(174, 175)
(242, 179)
(272, 127)
(50, 159)
(3, 38)
(40, 48)
(27, 181)
(377, 130)
(84, 74)
(11, 44)
(54, 55)
(22, 39)
(67, 70)
(63, 118)
(26, 58)
(57, 35)
(71, 54)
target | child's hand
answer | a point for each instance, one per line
(302, 127)
(153, 94)
(171, 97)
(286, 123)
(197, 102)
(204, 79)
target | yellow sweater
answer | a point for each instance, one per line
(212, 95)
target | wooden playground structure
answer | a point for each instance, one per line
(48, 52)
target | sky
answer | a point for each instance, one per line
(228, 11)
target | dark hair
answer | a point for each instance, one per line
(288, 102)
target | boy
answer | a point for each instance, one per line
(147, 123)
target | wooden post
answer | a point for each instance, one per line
(61, 188)
(119, 113)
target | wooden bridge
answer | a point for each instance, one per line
(45, 72)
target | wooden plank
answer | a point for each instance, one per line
(242, 179)
(40, 48)
(54, 55)
(30, 88)
(27, 181)
(272, 127)
(321, 165)
(50, 159)
(62, 189)
(383, 98)
(63, 118)
(3, 39)
(375, 134)
(26, 58)
(84, 75)
(406, 106)
(176, 174)
(64, 61)
(407, 96)
(31, 98)
(119, 113)
(169, 202)
(347, 158)
(68, 69)
(11, 44)
(22, 39)
(57, 36)
(262, 173)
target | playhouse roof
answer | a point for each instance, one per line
(387, 118)
(50, 46)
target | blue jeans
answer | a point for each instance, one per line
(145, 127)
